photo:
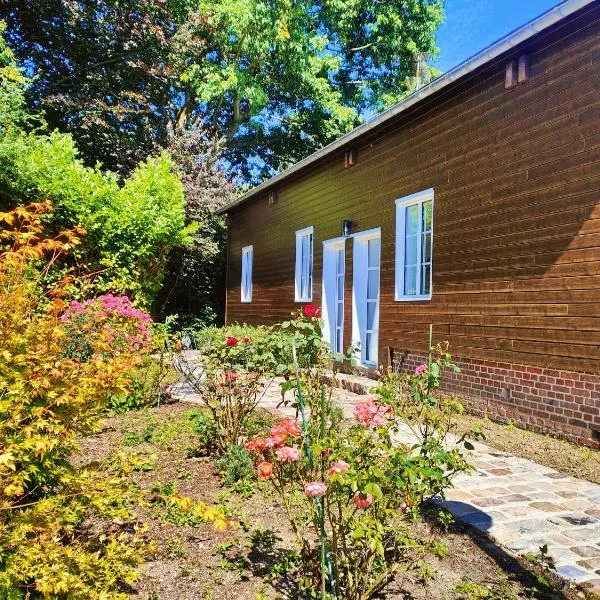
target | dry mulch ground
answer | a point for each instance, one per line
(578, 461)
(201, 564)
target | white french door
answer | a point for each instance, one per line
(365, 295)
(334, 273)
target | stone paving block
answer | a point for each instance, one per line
(583, 534)
(567, 494)
(556, 475)
(546, 507)
(592, 564)
(458, 495)
(572, 572)
(499, 472)
(488, 502)
(528, 526)
(586, 551)
(514, 498)
(577, 519)
(521, 510)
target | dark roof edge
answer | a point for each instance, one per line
(518, 36)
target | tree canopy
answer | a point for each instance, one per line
(269, 80)
(131, 225)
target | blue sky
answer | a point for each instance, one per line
(471, 25)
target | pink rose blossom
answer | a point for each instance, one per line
(338, 467)
(255, 445)
(420, 370)
(265, 469)
(315, 489)
(371, 414)
(363, 502)
(403, 507)
(286, 427)
(288, 454)
(275, 441)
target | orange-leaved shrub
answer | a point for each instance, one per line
(48, 399)
(60, 362)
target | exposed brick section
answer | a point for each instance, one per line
(562, 403)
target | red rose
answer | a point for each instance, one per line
(310, 310)
(232, 341)
(246, 340)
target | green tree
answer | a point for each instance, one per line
(270, 80)
(132, 225)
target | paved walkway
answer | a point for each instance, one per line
(520, 504)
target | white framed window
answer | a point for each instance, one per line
(304, 264)
(247, 256)
(414, 246)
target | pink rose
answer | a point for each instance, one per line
(286, 427)
(420, 370)
(275, 441)
(255, 445)
(363, 502)
(265, 469)
(338, 467)
(315, 489)
(230, 376)
(403, 507)
(288, 454)
(371, 414)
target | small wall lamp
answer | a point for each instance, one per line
(346, 228)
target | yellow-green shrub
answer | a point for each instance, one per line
(47, 401)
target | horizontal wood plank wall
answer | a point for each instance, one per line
(516, 264)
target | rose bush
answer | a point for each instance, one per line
(352, 492)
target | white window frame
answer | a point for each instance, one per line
(247, 264)
(300, 235)
(401, 204)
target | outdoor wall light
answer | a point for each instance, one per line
(346, 228)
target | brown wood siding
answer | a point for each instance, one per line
(516, 252)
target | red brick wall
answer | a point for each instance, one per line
(561, 403)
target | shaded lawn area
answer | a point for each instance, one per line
(253, 561)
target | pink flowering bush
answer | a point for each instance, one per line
(105, 326)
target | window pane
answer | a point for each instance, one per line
(427, 216)
(426, 249)
(410, 257)
(340, 261)
(412, 215)
(410, 281)
(340, 287)
(373, 252)
(371, 347)
(371, 306)
(426, 281)
(373, 284)
(338, 344)
(304, 288)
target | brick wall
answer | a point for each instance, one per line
(561, 403)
